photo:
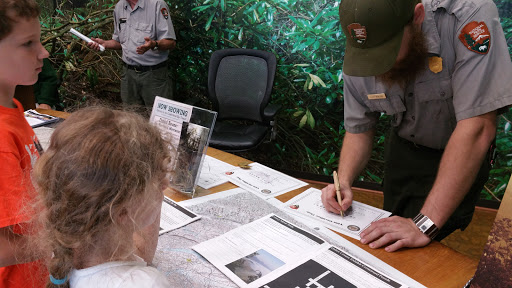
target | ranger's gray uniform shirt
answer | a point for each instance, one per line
(470, 83)
(146, 19)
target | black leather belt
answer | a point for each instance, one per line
(145, 68)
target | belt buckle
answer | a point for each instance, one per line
(137, 69)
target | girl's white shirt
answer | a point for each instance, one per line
(126, 274)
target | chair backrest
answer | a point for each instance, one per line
(240, 82)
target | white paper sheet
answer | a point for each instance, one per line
(174, 216)
(356, 219)
(256, 249)
(212, 172)
(263, 181)
(353, 249)
(169, 116)
(271, 252)
(36, 119)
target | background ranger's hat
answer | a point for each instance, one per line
(374, 30)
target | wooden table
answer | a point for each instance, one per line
(435, 265)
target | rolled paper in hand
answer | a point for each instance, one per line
(85, 38)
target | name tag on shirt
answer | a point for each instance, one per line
(376, 96)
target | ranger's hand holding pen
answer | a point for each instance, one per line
(337, 197)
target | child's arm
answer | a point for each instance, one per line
(146, 241)
(13, 248)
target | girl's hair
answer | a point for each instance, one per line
(99, 161)
(10, 10)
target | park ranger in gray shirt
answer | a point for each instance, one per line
(441, 69)
(143, 30)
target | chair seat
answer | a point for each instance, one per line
(235, 137)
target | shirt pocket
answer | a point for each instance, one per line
(434, 90)
(435, 99)
(434, 108)
(141, 30)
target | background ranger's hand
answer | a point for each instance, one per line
(96, 44)
(144, 47)
(44, 106)
(396, 231)
(329, 198)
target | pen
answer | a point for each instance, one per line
(337, 187)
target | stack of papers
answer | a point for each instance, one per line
(273, 253)
(36, 119)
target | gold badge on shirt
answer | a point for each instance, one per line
(376, 96)
(435, 64)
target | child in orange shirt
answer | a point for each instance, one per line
(21, 60)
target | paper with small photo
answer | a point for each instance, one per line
(263, 181)
(259, 249)
(358, 217)
(212, 172)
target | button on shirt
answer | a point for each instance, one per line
(146, 19)
(470, 84)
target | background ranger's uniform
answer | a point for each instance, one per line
(144, 75)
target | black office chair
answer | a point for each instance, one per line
(239, 85)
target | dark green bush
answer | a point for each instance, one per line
(307, 40)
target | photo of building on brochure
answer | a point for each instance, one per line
(190, 151)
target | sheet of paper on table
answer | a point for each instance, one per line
(272, 252)
(44, 135)
(212, 172)
(308, 204)
(263, 181)
(36, 119)
(174, 216)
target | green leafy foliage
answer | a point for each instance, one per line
(307, 40)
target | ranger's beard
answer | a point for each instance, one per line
(406, 69)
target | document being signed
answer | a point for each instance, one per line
(358, 217)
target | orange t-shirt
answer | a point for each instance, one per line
(19, 149)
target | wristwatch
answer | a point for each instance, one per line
(156, 46)
(426, 225)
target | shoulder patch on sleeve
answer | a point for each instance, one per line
(476, 37)
(165, 13)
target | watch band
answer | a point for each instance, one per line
(156, 46)
(426, 226)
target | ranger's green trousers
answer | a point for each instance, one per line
(409, 174)
(141, 88)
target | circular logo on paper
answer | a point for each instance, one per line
(353, 228)
(229, 172)
(266, 191)
(294, 206)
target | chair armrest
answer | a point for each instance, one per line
(270, 112)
